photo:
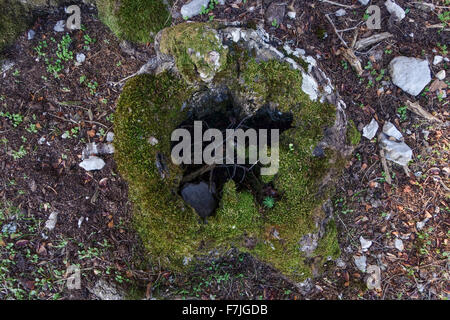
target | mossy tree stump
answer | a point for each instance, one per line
(295, 236)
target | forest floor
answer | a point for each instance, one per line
(46, 121)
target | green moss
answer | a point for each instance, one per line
(14, 19)
(193, 45)
(353, 135)
(134, 20)
(328, 246)
(150, 106)
(169, 228)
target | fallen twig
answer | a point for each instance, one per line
(335, 30)
(364, 43)
(417, 109)
(385, 167)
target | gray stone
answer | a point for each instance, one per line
(397, 12)
(340, 13)
(200, 197)
(398, 152)
(110, 136)
(292, 15)
(364, 2)
(5, 65)
(360, 262)
(365, 244)
(390, 130)
(437, 60)
(441, 75)
(10, 228)
(30, 35)
(421, 224)
(410, 74)
(92, 163)
(193, 8)
(59, 26)
(340, 263)
(371, 129)
(398, 243)
(81, 57)
(97, 148)
(51, 221)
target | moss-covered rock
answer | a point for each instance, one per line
(134, 20)
(14, 19)
(197, 49)
(152, 106)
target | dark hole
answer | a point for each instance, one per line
(202, 185)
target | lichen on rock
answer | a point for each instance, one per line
(134, 20)
(312, 152)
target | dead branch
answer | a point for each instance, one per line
(417, 109)
(335, 30)
(364, 43)
(350, 56)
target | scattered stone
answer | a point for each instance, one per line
(371, 129)
(81, 57)
(106, 291)
(153, 141)
(390, 130)
(193, 8)
(360, 262)
(51, 221)
(398, 152)
(365, 244)
(340, 263)
(292, 15)
(410, 74)
(441, 75)
(80, 221)
(421, 224)
(200, 197)
(30, 34)
(340, 13)
(59, 26)
(275, 13)
(397, 12)
(9, 228)
(110, 137)
(398, 243)
(92, 163)
(94, 148)
(364, 2)
(437, 60)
